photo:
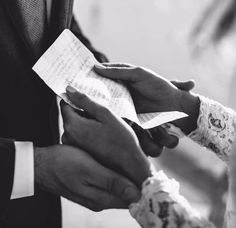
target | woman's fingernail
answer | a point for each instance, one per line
(71, 89)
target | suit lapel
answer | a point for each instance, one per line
(18, 22)
(61, 15)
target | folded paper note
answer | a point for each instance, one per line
(69, 62)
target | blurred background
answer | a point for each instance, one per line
(158, 34)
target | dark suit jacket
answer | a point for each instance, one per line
(28, 111)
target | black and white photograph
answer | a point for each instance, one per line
(118, 114)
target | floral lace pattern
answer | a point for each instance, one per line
(161, 206)
(216, 128)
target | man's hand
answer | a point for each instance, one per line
(153, 93)
(106, 137)
(75, 175)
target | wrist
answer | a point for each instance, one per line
(37, 161)
(189, 103)
(40, 161)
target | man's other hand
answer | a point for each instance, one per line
(105, 136)
(75, 175)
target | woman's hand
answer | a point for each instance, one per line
(153, 93)
(106, 137)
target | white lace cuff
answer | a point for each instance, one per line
(161, 206)
(216, 127)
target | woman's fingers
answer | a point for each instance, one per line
(149, 147)
(160, 135)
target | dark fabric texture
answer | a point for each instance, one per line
(7, 161)
(34, 18)
(28, 106)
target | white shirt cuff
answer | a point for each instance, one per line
(23, 184)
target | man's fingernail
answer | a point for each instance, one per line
(71, 89)
(132, 194)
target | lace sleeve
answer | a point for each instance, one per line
(216, 127)
(161, 206)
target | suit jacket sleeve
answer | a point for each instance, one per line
(78, 32)
(7, 163)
